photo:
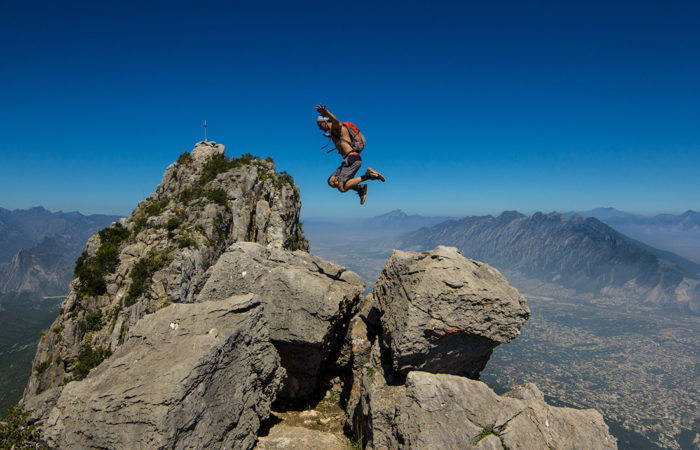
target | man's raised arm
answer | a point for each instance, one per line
(322, 110)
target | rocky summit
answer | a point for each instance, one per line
(201, 321)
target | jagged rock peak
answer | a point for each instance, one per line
(160, 254)
(206, 149)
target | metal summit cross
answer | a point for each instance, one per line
(205, 131)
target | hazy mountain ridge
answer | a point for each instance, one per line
(583, 254)
(398, 219)
(38, 248)
(26, 228)
(678, 233)
(688, 221)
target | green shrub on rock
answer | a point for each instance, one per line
(186, 242)
(115, 234)
(42, 366)
(16, 431)
(155, 207)
(88, 359)
(185, 159)
(142, 274)
(93, 322)
(219, 163)
(172, 223)
(217, 196)
(91, 277)
(91, 270)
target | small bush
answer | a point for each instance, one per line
(485, 432)
(217, 196)
(107, 257)
(189, 194)
(155, 207)
(93, 322)
(139, 223)
(185, 159)
(16, 431)
(282, 179)
(88, 359)
(172, 223)
(115, 234)
(42, 366)
(186, 242)
(91, 270)
(219, 164)
(297, 241)
(91, 276)
(142, 274)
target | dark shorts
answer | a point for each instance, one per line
(351, 164)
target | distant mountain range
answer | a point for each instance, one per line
(397, 219)
(582, 254)
(38, 248)
(679, 233)
(688, 221)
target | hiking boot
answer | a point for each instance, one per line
(362, 193)
(372, 174)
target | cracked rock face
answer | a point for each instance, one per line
(443, 313)
(191, 376)
(308, 302)
(447, 411)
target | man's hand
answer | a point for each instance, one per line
(321, 108)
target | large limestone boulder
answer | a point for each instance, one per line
(308, 303)
(443, 313)
(190, 376)
(436, 411)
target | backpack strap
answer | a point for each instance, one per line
(353, 139)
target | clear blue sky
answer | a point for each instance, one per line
(468, 107)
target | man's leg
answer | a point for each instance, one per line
(350, 184)
(334, 182)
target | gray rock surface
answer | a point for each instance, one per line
(299, 438)
(443, 313)
(204, 203)
(308, 303)
(190, 376)
(437, 411)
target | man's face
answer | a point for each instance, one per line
(324, 126)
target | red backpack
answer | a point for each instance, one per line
(357, 140)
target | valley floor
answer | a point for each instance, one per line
(638, 366)
(22, 319)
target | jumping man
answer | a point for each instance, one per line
(349, 145)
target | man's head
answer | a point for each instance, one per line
(324, 123)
